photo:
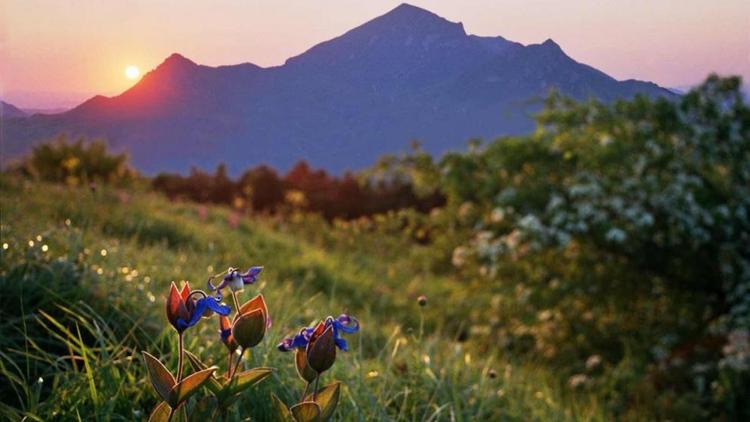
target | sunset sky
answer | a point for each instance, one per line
(56, 53)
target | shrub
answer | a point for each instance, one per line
(618, 230)
(76, 163)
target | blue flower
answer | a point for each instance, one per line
(343, 324)
(200, 308)
(298, 341)
(236, 280)
(346, 324)
(184, 311)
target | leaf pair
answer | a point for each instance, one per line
(169, 390)
(319, 410)
(224, 389)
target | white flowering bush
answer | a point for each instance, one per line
(617, 230)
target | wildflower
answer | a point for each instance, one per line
(236, 280)
(251, 322)
(578, 380)
(593, 361)
(343, 324)
(316, 346)
(422, 300)
(458, 258)
(183, 311)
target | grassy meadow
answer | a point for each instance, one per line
(85, 277)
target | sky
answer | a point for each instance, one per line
(57, 53)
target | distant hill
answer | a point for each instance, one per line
(408, 74)
(55, 110)
(9, 111)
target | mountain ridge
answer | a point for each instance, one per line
(9, 111)
(408, 74)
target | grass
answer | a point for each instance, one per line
(84, 278)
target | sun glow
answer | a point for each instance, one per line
(132, 72)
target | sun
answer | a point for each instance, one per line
(132, 72)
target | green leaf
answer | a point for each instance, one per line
(282, 411)
(248, 378)
(160, 377)
(189, 386)
(215, 384)
(307, 411)
(327, 398)
(195, 362)
(161, 413)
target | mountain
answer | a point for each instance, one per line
(54, 110)
(408, 74)
(9, 111)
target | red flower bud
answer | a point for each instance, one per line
(177, 307)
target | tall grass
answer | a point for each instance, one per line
(84, 278)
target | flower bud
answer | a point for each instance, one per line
(303, 368)
(422, 300)
(249, 329)
(176, 305)
(321, 351)
(225, 333)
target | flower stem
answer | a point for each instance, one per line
(421, 324)
(180, 356)
(237, 365)
(304, 392)
(229, 363)
(315, 391)
(236, 302)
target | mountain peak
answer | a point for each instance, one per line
(550, 43)
(411, 9)
(550, 48)
(415, 19)
(176, 61)
(172, 68)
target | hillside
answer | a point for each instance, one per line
(112, 265)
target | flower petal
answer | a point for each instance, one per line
(175, 306)
(251, 275)
(225, 328)
(347, 324)
(200, 308)
(185, 290)
(215, 305)
(341, 343)
(297, 341)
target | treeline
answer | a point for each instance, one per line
(262, 189)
